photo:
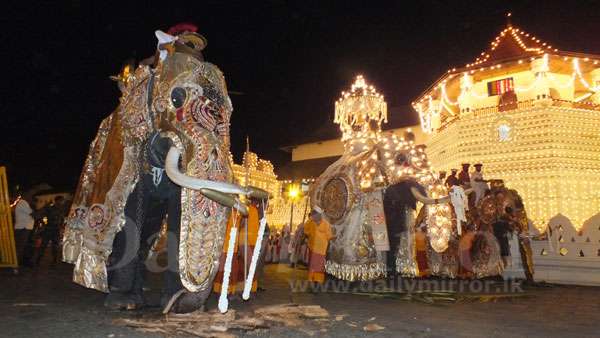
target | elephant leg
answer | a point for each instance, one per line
(123, 265)
(526, 258)
(184, 301)
(395, 228)
(144, 214)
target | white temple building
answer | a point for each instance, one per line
(531, 114)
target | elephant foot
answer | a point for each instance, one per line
(123, 301)
(185, 302)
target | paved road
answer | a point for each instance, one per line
(45, 303)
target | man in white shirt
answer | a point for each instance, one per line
(459, 201)
(23, 227)
(478, 183)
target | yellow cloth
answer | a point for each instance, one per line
(236, 279)
(420, 241)
(318, 236)
(318, 277)
(253, 224)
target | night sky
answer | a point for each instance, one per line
(288, 61)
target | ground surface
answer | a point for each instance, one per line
(43, 302)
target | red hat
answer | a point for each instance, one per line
(182, 27)
(187, 35)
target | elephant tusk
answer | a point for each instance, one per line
(172, 169)
(258, 193)
(226, 200)
(428, 200)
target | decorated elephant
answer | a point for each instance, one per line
(162, 154)
(370, 197)
(502, 213)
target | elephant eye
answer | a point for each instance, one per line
(178, 96)
(401, 159)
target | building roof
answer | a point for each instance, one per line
(510, 45)
(312, 168)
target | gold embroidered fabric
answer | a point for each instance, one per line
(110, 174)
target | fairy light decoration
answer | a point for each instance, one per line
(360, 111)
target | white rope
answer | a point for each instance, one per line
(255, 256)
(223, 301)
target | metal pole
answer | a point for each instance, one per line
(291, 214)
(296, 249)
(246, 227)
(305, 210)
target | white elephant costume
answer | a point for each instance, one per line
(351, 190)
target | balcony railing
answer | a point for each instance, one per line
(502, 108)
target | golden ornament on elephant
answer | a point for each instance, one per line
(334, 199)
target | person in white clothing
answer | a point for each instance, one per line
(284, 253)
(23, 227)
(478, 184)
(459, 201)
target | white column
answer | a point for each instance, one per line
(596, 83)
(465, 99)
(435, 109)
(542, 89)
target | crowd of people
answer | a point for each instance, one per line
(36, 227)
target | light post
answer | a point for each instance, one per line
(293, 194)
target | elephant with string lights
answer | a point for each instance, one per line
(370, 197)
(162, 155)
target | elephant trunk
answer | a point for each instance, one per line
(204, 215)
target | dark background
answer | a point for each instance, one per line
(290, 59)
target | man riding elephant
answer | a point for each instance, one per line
(163, 153)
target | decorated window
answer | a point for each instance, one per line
(500, 87)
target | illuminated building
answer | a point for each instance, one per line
(531, 114)
(260, 174)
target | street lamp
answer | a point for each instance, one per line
(293, 194)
